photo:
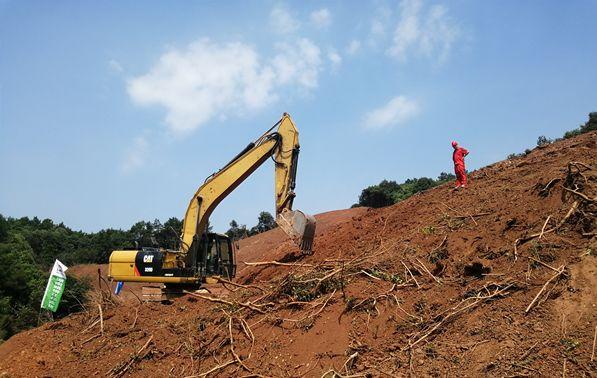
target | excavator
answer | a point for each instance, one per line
(203, 255)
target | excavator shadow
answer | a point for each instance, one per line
(288, 258)
(291, 257)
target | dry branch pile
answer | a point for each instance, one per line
(580, 187)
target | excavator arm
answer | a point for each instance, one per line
(281, 144)
(203, 254)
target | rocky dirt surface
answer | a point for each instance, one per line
(495, 280)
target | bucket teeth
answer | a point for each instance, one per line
(299, 226)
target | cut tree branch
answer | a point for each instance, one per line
(559, 273)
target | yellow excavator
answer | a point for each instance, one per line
(204, 254)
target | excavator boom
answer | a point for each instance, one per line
(203, 254)
(283, 146)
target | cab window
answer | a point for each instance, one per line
(211, 258)
(226, 258)
(224, 250)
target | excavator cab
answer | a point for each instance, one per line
(216, 256)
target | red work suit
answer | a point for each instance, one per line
(458, 158)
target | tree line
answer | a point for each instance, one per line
(265, 222)
(50, 241)
(542, 141)
(387, 192)
(29, 246)
(24, 271)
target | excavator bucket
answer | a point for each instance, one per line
(299, 226)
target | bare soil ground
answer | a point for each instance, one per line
(495, 280)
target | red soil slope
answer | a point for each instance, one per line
(260, 247)
(432, 286)
(250, 249)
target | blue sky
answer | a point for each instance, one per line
(114, 112)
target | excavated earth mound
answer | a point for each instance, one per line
(498, 280)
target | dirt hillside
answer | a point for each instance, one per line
(496, 280)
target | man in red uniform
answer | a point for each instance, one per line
(458, 158)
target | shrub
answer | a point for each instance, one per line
(390, 192)
(590, 125)
(543, 141)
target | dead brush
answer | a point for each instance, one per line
(381, 271)
(123, 367)
(307, 289)
(369, 303)
(542, 252)
(487, 293)
(580, 186)
(450, 222)
(438, 255)
(365, 305)
(544, 190)
(375, 272)
(101, 300)
(319, 280)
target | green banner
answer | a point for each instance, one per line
(55, 287)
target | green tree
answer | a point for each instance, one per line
(265, 222)
(445, 177)
(378, 195)
(22, 283)
(102, 243)
(142, 233)
(3, 229)
(236, 231)
(389, 192)
(543, 141)
(169, 234)
(590, 125)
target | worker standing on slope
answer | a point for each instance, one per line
(458, 158)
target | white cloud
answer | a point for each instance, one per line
(379, 25)
(428, 32)
(321, 18)
(335, 59)
(207, 80)
(397, 111)
(115, 66)
(282, 21)
(298, 63)
(353, 47)
(136, 155)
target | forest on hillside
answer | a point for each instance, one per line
(29, 246)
